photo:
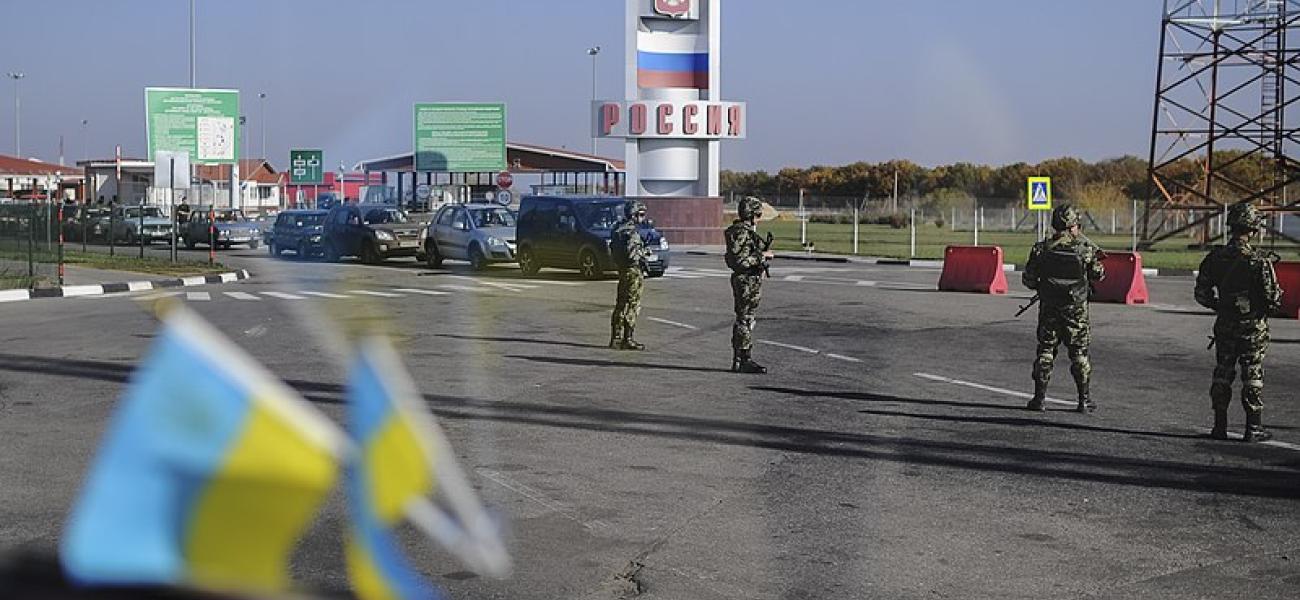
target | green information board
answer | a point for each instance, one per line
(204, 123)
(306, 167)
(460, 138)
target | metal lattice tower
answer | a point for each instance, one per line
(1226, 83)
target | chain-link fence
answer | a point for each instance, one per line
(30, 254)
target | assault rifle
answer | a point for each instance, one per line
(767, 245)
(1032, 302)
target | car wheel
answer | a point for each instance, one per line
(253, 245)
(273, 249)
(528, 261)
(432, 256)
(302, 251)
(370, 254)
(131, 239)
(331, 252)
(477, 261)
(189, 242)
(589, 265)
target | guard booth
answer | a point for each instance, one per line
(555, 170)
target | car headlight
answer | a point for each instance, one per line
(256, 231)
(496, 242)
(315, 239)
(663, 244)
(387, 236)
(223, 233)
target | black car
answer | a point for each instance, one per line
(574, 233)
(302, 231)
(373, 232)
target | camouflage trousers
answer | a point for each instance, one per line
(747, 292)
(1244, 344)
(1069, 325)
(627, 305)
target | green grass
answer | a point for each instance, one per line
(886, 242)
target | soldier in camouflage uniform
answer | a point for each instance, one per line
(746, 257)
(1238, 282)
(1062, 270)
(629, 253)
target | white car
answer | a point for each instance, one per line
(480, 234)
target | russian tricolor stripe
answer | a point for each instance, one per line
(672, 61)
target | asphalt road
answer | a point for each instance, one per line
(887, 455)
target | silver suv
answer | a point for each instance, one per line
(479, 233)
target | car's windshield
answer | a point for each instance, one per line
(149, 213)
(385, 216)
(492, 217)
(308, 220)
(230, 216)
(600, 215)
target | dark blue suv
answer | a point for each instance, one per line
(573, 233)
(301, 231)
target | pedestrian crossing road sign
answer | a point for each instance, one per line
(1040, 193)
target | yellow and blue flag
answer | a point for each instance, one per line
(401, 460)
(209, 472)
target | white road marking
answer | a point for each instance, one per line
(325, 295)
(465, 288)
(889, 285)
(242, 296)
(868, 283)
(375, 294)
(283, 296)
(790, 347)
(546, 282)
(540, 498)
(420, 291)
(14, 295)
(843, 358)
(989, 388)
(794, 278)
(198, 296)
(673, 323)
(160, 295)
(510, 287)
(681, 276)
(1273, 443)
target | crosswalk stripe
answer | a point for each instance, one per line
(198, 296)
(420, 291)
(160, 295)
(464, 288)
(375, 294)
(794, 278)
(324, 295)
(242, 296)
(283, 296)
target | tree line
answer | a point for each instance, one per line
(1102, 185)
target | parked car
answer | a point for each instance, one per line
(127, 225)
(373, 232)
(479, 233)
(574, 233)
(232, 228)
(302, 231)
(90, 222)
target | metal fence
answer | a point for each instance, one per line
(30, 253)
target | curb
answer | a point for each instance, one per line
(76, 291)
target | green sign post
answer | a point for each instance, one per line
(306, 167)
(460, 138)
(202, 123)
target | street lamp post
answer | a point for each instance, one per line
(192, 79)
(85, 135)
(18, 120)
(262, 97)
(593, 52)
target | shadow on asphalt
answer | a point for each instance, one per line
(508, 340)
(870, 397)
(1031, 422)
(584, 362)
(1243, 479)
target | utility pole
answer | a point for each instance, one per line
(262, 97)
(192, 78)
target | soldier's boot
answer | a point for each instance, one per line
(747, 365)
(735, 361)
(1039, 402)
(631, 344)
(1086, 405)
(616, 338)
(1220, 431)
(1255, 431)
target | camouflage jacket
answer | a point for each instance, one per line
(744, 249)
(627, 247)
(1089, 255)
(1238, 281)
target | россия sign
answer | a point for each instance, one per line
(671, 119)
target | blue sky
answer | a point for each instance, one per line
(828, 81)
